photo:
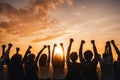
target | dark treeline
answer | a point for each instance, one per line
(31, 67)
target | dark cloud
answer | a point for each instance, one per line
(4, 25)
(9, 27)
(23, 20)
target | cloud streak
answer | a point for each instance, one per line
(34, 16)
(49, 37)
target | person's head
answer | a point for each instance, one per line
(31, 57)
(42, 60)
(88, 55)
(16, 58)
(73, 56)
(58, 57)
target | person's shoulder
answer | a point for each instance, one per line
(78, 63)
(117, 62)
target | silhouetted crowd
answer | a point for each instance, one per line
(30, 67)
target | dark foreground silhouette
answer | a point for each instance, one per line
(74, 68)
(31, 67)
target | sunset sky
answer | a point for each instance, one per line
(39, 22)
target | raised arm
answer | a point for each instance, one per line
(96, 55)
(9, 47)
(115, 47)
(3, 50)
(6, 53)
(110, 55)
(53, 51)
(8, 50)
(101, 59)
(26, 53)
(3, 53)
(68, 51)
(48, 54)
(37, 57)
(17, 50)
(80, 52)
(61, 44)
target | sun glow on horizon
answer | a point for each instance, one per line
(58, 50)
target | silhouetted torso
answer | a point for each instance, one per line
(15, 68)
(44, 72)
(30, 71)
(107, 70)
(58, 71)
(74, 71)
(117, 69)
(89, 70)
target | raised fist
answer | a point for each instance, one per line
(61, 44)
(48, 46)
(45, 46)
(10, 45)
(82, 41)
(3, 46)
(17, 48)
(55, 45)
(92, 41)
(71, 40)
(108, 42)
(30, 47)
(112, 41)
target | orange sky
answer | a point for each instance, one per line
(39, 22)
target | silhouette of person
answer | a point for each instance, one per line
(15, 65)
(116, 63)
(106, 63)
(88, 64)
(3, 59)
(31, 69)
(58, 64)
(74, 72)
(30, 66)
(44, 64)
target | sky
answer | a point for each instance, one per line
(39, 22)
